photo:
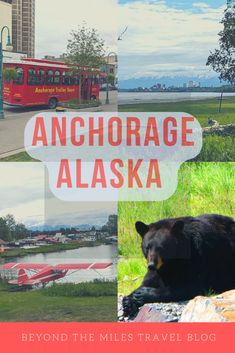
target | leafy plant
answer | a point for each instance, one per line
(222, 60)
(9, 74)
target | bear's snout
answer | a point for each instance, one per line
(151, 266)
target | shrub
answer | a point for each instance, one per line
(97, 288)
(217, 149)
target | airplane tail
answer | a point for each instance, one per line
(22, 276)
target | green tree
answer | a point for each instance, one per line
(84, 48)
(11, 224)
(222, 60)
(111, 79)
(9, 74)
(4, 230)
(111, 225)
(20, 231)
(11, 230)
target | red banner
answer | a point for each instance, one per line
(116, 337)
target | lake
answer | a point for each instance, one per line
(164, 97)
(102, 253)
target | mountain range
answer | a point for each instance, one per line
(49, 228)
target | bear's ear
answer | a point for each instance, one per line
(177, 228)
(141, 228)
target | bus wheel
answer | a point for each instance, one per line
(52, 104)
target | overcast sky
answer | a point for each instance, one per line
(56, 19)
(164, 37)
(22, 190)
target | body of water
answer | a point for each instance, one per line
(102, 253)
(164, 97)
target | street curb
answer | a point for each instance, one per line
(11, 153)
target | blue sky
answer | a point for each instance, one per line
(182, 4)
(168, 37)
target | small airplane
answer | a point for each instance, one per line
(45, 273)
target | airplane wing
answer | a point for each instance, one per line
(76, 266)
(25, 266)
(84, 266)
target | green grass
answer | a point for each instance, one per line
(18, 157)
(217, 149)
(97, 288)
(202, 188)
(37, 306)
(78, 104)
(201, 109)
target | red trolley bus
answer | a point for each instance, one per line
(42, 82)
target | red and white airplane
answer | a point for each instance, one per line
(46, 273)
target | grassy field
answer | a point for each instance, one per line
(201, 109)
(202, 188)
(215, 148)
(60, 304)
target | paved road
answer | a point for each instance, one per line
(12, 127)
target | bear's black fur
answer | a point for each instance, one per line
(186, 256)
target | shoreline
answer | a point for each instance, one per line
(8, 254)
(138, 101)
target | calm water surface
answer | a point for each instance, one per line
(102, 253)
(164, 97)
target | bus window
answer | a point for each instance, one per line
(73, 81)
(57, 78)
(31, 76)
(92, 79)
(41, 77)
(97, 79)
(19, 80)
(49, 77)
(66, 81)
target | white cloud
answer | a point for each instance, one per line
(154, 29)
(201, 5)
(73, 213)
(55, 20)
(24, 193)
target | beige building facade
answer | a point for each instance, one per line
(23, 26)
(5, 19)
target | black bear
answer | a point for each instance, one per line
(186, 256)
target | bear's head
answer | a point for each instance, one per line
(163, 241)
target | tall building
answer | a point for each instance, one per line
(23, 26)
(5, 18)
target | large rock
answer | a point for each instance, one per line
(221, 130)
(160, 312)
(220, 308)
